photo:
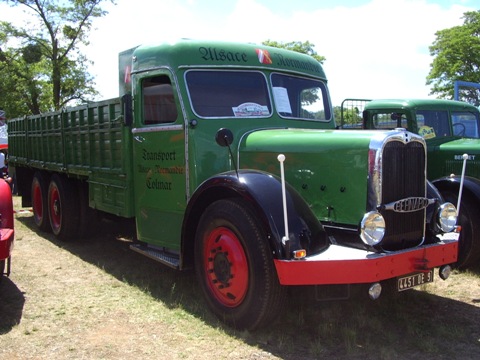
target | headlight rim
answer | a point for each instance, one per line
(366, 235)
(446, 225)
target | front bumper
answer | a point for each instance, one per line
(344, 265)
(6, 243)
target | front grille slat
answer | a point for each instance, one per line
(403, 176)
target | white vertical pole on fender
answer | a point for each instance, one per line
(465, 157)
(281, 159)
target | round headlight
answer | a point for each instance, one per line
(372, 228)
(447, 217)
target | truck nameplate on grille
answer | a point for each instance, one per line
(408, 205)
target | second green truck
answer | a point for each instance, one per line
(450, 129)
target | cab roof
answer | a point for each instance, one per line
(187, 53)
(414, 104)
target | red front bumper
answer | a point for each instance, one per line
(343, 265)
(6, 243)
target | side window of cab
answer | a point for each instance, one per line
(159, 106)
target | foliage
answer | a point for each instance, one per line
(298, 46)
(303, 48)
(45, 68)
(457, 57)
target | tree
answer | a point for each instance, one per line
(303, 48)
(457, 57)
(298, 46)
(45, 68)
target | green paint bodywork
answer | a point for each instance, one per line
(151, 173)
(317, 163)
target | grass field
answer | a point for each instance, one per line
(96, 299)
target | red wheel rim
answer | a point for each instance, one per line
(226, 267)
(54, 205)
(37, 201)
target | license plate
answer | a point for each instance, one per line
(412, 280)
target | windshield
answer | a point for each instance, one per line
(435, 123)
(301, 98)
(465, 124)
(224, 93)
(217, 94)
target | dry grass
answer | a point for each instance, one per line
(96, 299)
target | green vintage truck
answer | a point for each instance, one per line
(222, 154)
(450, 129)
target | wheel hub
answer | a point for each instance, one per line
(56, 207)
(222, 267)
(226, 267)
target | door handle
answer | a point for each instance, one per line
(139, 138)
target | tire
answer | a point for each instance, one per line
(2, 269)
(469, 241)
(39, 191)
(235, 268)
(63, 209)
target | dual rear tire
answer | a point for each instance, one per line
(55, 203)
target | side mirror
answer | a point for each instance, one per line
(224, 137)
(127, 109)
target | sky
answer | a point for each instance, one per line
(373, 48)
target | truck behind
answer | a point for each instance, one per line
(450, 129)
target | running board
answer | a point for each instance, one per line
(159, 255)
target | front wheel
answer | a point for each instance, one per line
(234, 266)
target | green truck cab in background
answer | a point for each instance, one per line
(450, 129)
(224, 155)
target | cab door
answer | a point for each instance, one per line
(159, 160)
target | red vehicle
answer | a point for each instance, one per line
(6, 227)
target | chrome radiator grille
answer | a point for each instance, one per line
(403, 176)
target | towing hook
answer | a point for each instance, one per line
(445, 272)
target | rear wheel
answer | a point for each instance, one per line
(234, 266)
(39, 201)
(469, 241)
(63, 207)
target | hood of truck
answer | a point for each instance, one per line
(446, 156)
(327, 167)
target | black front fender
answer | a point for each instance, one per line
(263, 192)
(471, 186)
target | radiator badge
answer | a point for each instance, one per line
(408, 205)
